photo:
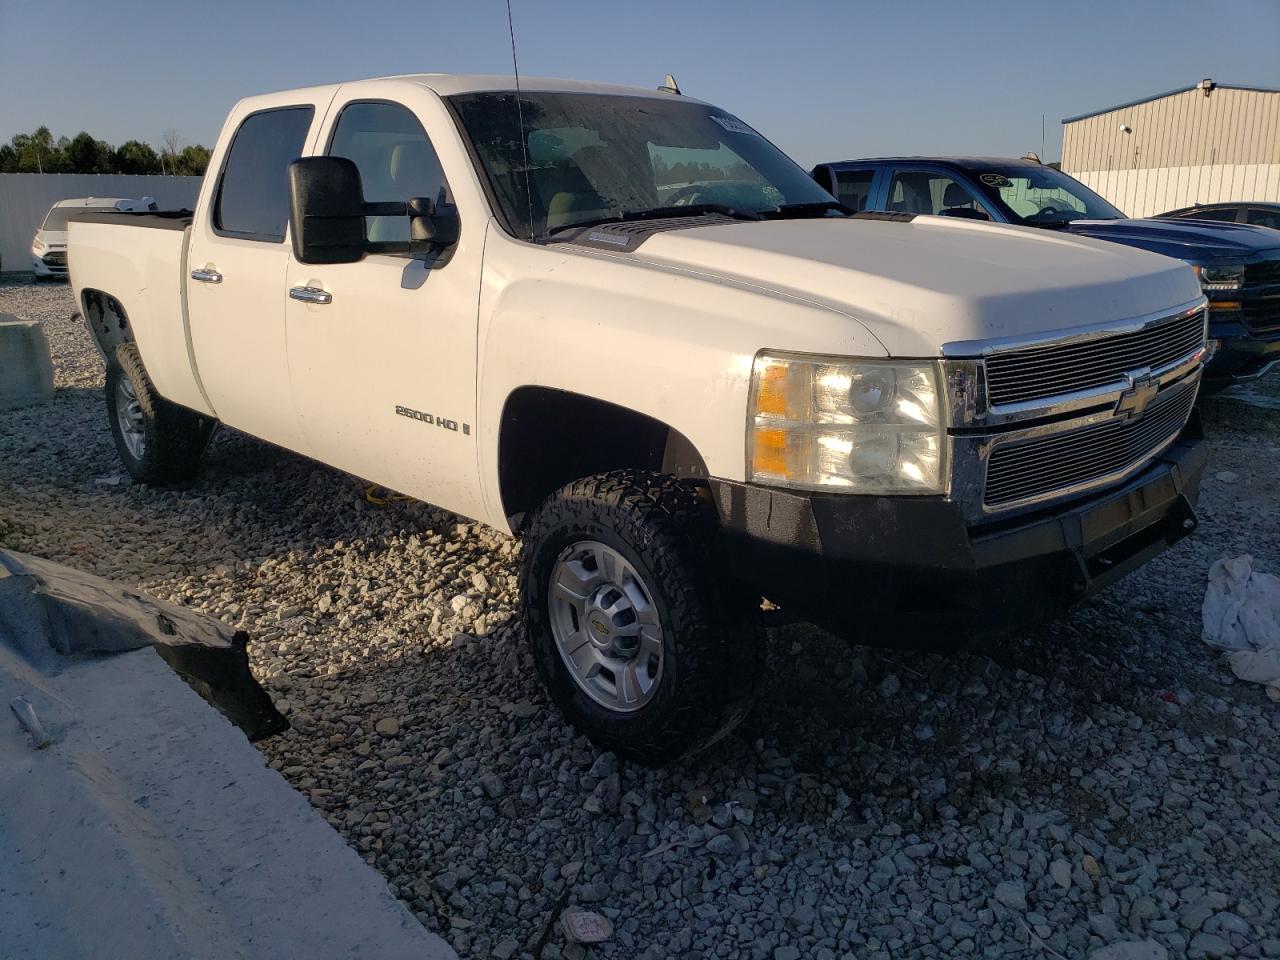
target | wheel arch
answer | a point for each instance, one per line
(107, 321)
(549, 437)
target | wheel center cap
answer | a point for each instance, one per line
(600, 631)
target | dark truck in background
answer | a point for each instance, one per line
(1238, 264)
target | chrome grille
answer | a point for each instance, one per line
(1052, 370)
(1059, 463)
(1260, 298)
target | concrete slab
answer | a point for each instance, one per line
(52, 613)
(26, 370)
(149, 828)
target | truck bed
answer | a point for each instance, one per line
(135, 264)
(155, 219)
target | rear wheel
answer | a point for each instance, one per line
(158, 441)
(641, 640)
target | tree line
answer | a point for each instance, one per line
(694, 171)
(39, 152)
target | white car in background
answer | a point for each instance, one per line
(49, 245)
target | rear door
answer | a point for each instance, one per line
(382, 352)
(236, 265)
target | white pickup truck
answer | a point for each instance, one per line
(623, 325)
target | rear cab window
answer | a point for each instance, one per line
(853, 187)
(252, 201)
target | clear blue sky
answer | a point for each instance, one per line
(823, 80)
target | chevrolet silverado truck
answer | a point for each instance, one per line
(1238, 264)
(625, 327)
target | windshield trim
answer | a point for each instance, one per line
(992, 194)
(496, 209)
(477, 167)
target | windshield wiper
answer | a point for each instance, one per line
(786, 211)
(658, 213)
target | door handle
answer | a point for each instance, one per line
(310, 294)
(206, 275)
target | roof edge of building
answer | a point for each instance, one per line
(1167, 93)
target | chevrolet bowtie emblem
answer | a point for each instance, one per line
(1141, 391)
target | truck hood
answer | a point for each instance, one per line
(51, 238)
(931, 281)
(1196, 241)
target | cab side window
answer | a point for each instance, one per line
(395, 159)
(1261, 217)
(1225, 214)
(918, 191)
(253, 193)
(853, 188)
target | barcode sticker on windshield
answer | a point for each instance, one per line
(734, 125)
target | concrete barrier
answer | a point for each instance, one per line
(26, 372)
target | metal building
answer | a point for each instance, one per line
(1204, 144)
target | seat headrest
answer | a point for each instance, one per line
(956, 196)
(410, 158)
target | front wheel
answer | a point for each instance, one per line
(641, 640)
(158, 441)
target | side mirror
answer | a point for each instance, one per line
(436, 224)
(327, 212)
(964, 213)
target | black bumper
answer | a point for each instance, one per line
(1241, 355)
(908, 571)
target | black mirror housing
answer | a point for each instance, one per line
(326, 210)
(436, 224)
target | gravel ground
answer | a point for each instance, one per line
(1101, 787)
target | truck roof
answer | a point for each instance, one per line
(452, 84)
(965, 163)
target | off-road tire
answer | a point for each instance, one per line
(712, 640)
(174, 437)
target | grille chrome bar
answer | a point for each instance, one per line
(1059, 464)
(1052, 370)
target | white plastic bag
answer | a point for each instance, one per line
(1241, 616)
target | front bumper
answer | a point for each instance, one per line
(49, 265)
(907, 571)
(1241, 355)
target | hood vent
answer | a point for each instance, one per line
(625, 237)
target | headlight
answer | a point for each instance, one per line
(861, 426)
(1225, 277)
(37, 244)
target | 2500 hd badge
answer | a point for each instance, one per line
(428, 418)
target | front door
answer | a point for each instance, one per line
(382, 352)
(236, 265)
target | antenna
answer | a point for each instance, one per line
(524, 148)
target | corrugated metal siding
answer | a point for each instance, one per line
(1143, 193)
(25, 198)
(1186, 129)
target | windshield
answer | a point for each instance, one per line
(600, 156)
(1042, 196)
(58, 217)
